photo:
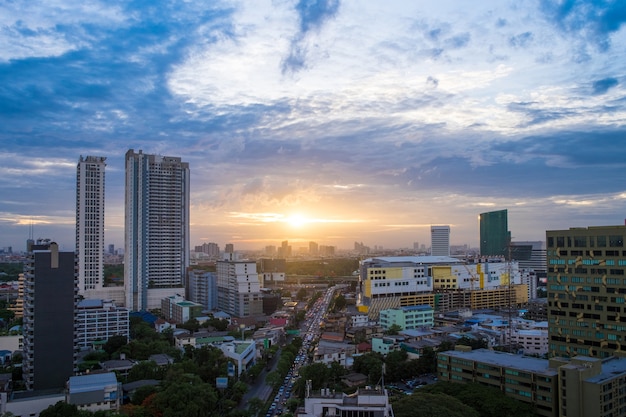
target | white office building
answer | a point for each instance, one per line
(90, 222)
(156, 253)
(238, 287)
(440, 240)
(98, 320)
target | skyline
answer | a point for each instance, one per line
(320, 121)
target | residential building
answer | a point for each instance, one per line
(98, 320)
(365, 402)
(94, 392)
(494, 233)
(50, 296)
(272, 270)
(90, 223)
(530, 341)
(179, 310)
(586, 287)
(524, 378)
(313, 248)
(201, 288)
(238, 288)
(411, 317)
(574, 387)
(156, 254)
(440, 240)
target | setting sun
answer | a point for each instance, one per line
(296, 220)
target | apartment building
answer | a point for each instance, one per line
(98, 320)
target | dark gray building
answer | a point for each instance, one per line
(50, 296)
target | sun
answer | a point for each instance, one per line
(296, 220)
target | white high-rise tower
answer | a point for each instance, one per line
(156, 254)
(440, 240)
(90, 223)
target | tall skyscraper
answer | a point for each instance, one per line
(494, 233)
(90, 222)
(586, 287)
(50, 296)
(440, 240)
(156, 253)
(238, 287)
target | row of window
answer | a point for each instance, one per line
(613, 241)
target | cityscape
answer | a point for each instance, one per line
(312, 208)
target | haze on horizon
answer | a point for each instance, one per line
(321, 120)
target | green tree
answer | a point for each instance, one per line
(432, 405)
(393, 329)
(369, 364)
(317, 373)
(274, 379)
(114, 343)
(301, 294)
(60, 409)
(185, 396)
(141, 393)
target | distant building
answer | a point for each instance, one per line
(412, 317)
(272, 270)
(98, 320)
(313, 248)
(586, 287)
(201, 288)
(494, 233)
(50, 296)
(93, 392)
(440, 240)
(156, 255)
(239, 288)
(179, 310)
(90, 222)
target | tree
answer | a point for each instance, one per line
(317, 373)
(301, 294)
(60, 409)
(370, 364)
(393, 329)
(432, 405)
(141, 393)
(185, 396)
(114, 343)
(274, 379)
(340, 302)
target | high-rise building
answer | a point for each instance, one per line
(97, 320)
(90, 222)
(313, 248)
(156, 254)
(586, 287)
(494, 233)
(238, 287)
(202, 288)
(50, 296)
(440, 240)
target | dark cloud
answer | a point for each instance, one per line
(604, 85)
(312, 15)
(593, 20)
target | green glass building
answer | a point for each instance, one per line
(494, 233)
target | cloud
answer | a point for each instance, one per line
(604, 85)
(522, 40)
(312, 15)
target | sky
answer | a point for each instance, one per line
(325, 120)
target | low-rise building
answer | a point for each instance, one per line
(98, 320)
(364, 402)
(179, 310)
(412, 317)
(93, 392)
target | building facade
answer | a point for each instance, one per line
(586, 291)
(50, 296)
(90, 222)
(97, 320)
(156, 254)
(239, 288)
(201, 288)
(494, 233)
(94, 392)
(440, 240)
(413, 317)
(175, 308)
(366, 402)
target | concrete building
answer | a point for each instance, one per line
(156, 255)
(586, 287)
(50, 296)
(93, 392)
(98, 320)
(272, 270)
(494, 233)
(566, 387)
(523, 378)
(412, 317)
(238, 288)
(368, 401)
(90, 223)
(201, 288)
(440, 240)
(178, 310)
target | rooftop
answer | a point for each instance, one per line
(509, 360)
(91, 382)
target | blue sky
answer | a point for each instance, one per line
(334, 121)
